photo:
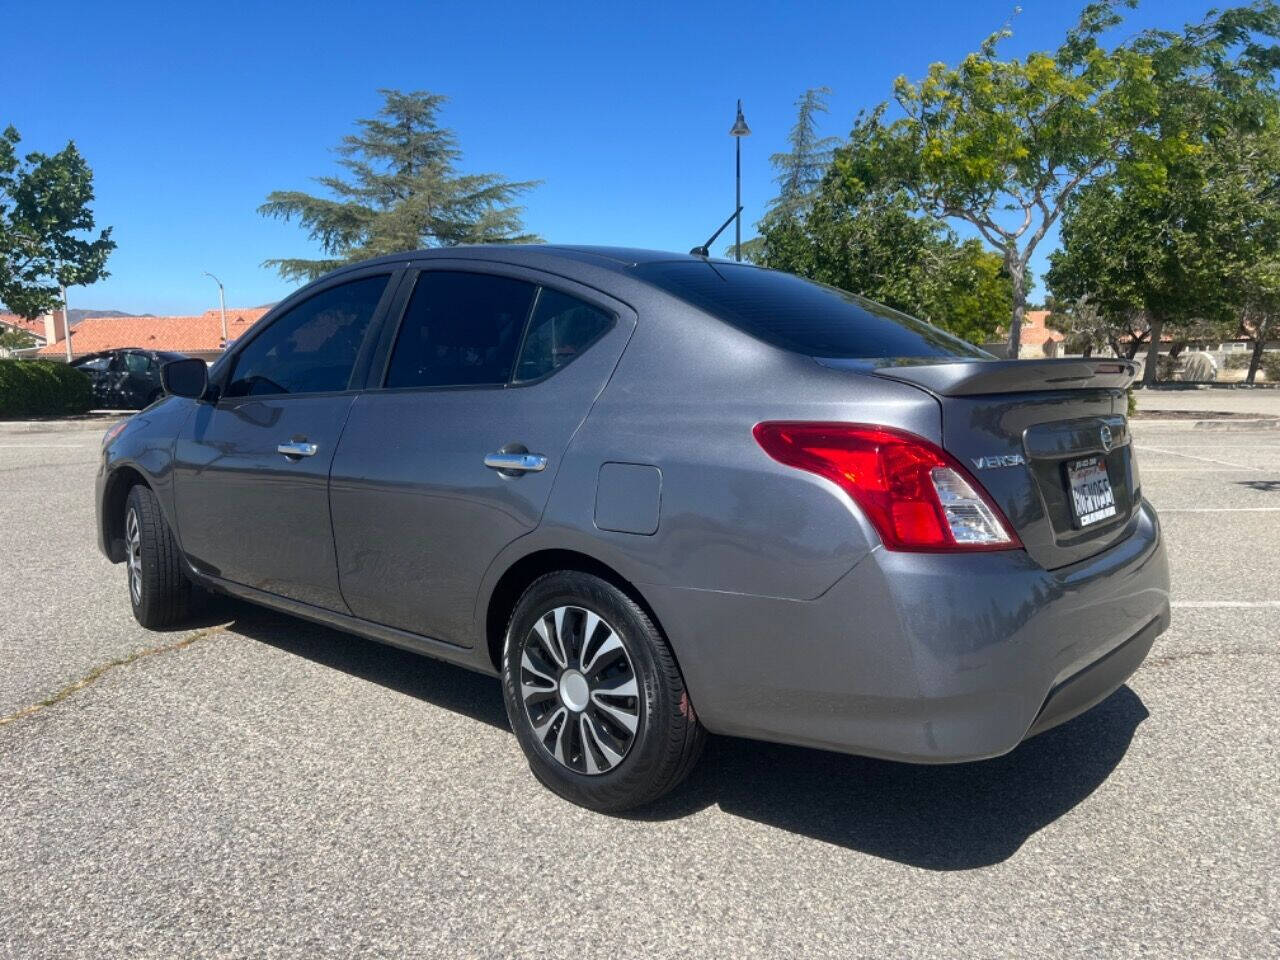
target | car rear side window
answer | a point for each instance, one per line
(800, 315)
(561, 328)
(312, 347)
(460, 329)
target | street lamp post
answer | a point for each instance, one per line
(222, 305)
(66, 321)
(738, 131)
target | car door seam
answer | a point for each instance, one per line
(328, 499)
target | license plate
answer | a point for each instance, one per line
(1091, 496)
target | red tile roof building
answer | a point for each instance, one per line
(1034, 331)
(199, 335)
(1037, 339)
(11, 321)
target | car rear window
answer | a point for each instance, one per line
(800, 315)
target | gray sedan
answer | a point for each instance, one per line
(658, 495)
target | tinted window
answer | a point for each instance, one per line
(800, 315)
(311, 348)
(561, 328)
(136, 362)
(460, 328)
(97, 364)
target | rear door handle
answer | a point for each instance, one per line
(516, 462)
(297, 448)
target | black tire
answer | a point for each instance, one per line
(161, 597)
(668, 738)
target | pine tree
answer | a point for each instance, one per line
(402, 191)
(799, 172)
(801, 169)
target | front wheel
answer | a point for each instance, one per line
(594, 695)
(159, 592)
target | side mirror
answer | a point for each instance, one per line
(185, 378)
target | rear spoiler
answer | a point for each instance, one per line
(967, 377)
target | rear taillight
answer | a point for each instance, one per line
(916, 495)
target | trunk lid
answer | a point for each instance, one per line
(1032, 431)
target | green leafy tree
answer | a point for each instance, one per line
(1249, 195)
(1182, 226)
(1000, 144)
(402, 191)
(880, 246)
(1003, 144)
(44, 212)
(1087, 327)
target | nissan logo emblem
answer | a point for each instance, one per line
(1105, 435)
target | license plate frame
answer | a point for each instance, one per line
(1090, 492)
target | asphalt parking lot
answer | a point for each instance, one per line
(261, 787)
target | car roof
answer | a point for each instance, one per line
(619, 259)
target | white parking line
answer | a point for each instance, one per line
(1164, 510)
(1190, 456)
(1234, 604)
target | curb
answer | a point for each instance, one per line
(1262, 424)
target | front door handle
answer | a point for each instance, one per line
(297, 448)
(516, 462)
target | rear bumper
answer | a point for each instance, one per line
(1099, 680)
(921, 657)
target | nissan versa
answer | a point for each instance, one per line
(658, 495)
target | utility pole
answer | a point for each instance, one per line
(222, 305)
(738, 131)
(66, 321)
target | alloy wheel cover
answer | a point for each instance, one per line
(579, 690)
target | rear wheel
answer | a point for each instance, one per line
(159, 592)
(594, 694)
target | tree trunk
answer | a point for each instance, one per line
(1153, 352)
(1018, 275)
(1088, 350)
(1259, 344)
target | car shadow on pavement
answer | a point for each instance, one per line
(951, 817)
(453, 688)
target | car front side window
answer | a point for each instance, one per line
(311, 348)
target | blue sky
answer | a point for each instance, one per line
(191, 113)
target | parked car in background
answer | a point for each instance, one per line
(126, 378)
(658, 495)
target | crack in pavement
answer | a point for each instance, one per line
(99, 671)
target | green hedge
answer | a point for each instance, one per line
(41, 388)
(1270, 362)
